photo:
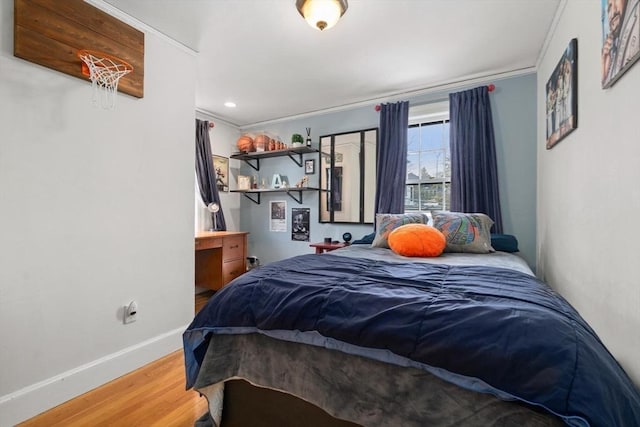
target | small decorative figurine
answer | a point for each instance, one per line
(308, 136)
(276, 182)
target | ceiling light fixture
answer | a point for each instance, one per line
(230, 104)
(322, 14)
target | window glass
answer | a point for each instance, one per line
(428, 165)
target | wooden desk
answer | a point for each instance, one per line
(220, 257)
(327, 247)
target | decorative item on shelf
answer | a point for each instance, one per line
(245, 144)
(296, 140)
(254, 184)
(347, 238)
(244, 182)
(304, 181)
(262, 142)
(308, 137)
(276, 181)
(213, 208)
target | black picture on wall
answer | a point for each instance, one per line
(562, 96)
(300, 224)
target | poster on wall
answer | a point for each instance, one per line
(278, 216)
(562, 96)
(300, 224)
(221, 166)
(620, 38)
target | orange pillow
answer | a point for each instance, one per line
(417, 240)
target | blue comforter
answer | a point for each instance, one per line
(487, 329)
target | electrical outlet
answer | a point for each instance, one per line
(130, 312)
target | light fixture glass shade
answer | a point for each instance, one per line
(321, 14)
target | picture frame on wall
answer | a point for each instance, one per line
(309, 167)
(300, 224)
(278, 216)
(620, 38)
(562, 96)
(221, 167)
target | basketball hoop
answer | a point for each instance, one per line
(105, 71)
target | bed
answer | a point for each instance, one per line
(363, 336)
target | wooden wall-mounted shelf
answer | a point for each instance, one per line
(289, 190)
(253, 158)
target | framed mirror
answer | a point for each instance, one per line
(348, 174)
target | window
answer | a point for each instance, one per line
(428, 181)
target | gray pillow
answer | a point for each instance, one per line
(386, 223)
(465, 232)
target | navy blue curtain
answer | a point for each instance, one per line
(391, 167)
(206, 174)
(474, 172)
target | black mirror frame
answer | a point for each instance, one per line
(332, 166)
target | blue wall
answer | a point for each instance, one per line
(514, 113)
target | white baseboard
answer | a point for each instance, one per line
(39, 397)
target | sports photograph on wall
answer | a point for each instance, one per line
(221, 166)
(562, 96)
(620, 38)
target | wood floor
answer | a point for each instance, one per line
(153, 395)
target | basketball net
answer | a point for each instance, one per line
(105, 71)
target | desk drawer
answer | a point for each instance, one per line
(233, 248)
(232, 269)
(208, 243)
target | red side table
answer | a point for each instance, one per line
(327, 247)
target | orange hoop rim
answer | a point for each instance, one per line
(85, 53)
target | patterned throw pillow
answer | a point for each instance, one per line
(386, 223)
(465, 232)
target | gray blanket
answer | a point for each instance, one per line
(353, 388)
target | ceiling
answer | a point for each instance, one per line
(263, 56)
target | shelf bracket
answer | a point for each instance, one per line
(256, 167)
(296, 161)
(257, 202)
(299, 200)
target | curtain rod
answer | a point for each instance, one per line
(490, 87)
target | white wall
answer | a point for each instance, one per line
(589, 193)
(96, 209)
